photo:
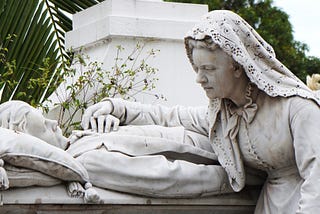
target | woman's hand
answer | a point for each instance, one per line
(99, 118)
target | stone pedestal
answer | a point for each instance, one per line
(55, 200)
(160, 25)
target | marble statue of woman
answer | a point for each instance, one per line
(260, 114)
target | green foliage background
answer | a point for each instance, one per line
(273, 25)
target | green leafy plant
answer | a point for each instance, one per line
(8, 67)
(129, 76)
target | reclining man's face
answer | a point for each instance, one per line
(47, 130)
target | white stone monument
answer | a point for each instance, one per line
(98, 30)
(160, 25)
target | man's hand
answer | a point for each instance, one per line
(99, 118)
(77, 134)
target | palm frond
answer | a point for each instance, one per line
(39, 26)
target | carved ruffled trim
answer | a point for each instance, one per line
(224, 129)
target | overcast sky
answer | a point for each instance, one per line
(305, 18)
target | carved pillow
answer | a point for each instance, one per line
(23, 150)
(23, 177)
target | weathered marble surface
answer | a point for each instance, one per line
(55, 200)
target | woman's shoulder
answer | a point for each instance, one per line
(297, 102)
(299, 107)
(287, 105)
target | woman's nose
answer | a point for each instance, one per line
(201, 78)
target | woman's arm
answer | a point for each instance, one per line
(305, 124)
(134, 113)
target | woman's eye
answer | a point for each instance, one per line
(210, 68)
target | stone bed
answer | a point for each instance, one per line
(55, 200)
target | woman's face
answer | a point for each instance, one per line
(47, 130)
(215, 72)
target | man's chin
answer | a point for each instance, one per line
(60, 142)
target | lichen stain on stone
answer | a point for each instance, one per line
(38, 201)
(148, 201)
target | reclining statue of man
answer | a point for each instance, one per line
(149, 160)
(32, 153)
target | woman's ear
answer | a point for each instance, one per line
(238, 70)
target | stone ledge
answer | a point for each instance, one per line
(125, 209)
(139, 9)
(133, 18)
(55, 200)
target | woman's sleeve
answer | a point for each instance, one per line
(134, 113)
(305, 125)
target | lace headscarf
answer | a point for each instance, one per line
(239, 40)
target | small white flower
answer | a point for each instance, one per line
(313, 82)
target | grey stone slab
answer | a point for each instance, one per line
(41, 200)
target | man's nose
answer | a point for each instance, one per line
(53, 124)
(201, 78)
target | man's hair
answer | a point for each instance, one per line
(13, 115)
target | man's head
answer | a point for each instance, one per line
(20, 116)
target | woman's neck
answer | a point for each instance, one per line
(239, 95)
